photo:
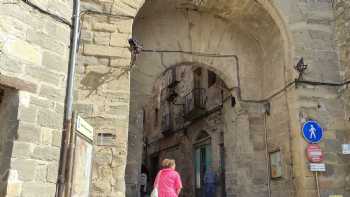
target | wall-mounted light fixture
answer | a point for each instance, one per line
(301, 67)
(135, 49)
(135, 46)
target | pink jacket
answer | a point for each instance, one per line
(169, 182)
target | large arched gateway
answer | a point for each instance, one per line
(252, 46)
(244, 45)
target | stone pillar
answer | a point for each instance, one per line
(103, 88)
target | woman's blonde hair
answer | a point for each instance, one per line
(168, 163)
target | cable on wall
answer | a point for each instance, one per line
(54, 16)
(94, 12)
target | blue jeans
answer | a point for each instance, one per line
(209, 190)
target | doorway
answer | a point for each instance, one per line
(202, 162)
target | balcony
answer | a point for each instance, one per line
(195, 103)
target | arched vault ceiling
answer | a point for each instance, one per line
(247, 15)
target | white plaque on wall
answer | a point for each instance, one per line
(346, 149)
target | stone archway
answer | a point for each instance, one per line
(246, 30)
(277, 33)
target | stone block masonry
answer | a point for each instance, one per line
(341, 127)
(33, 50)
(103, 92)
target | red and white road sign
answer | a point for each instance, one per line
(314, 153)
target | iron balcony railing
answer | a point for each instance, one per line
(195, 102)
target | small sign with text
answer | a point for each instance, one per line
(318, 167)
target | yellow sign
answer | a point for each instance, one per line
(335, 195)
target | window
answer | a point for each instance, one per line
(1, 94)
(144, 118)
(211, 78)
(156, 117)
(197, 78)
(105, 139)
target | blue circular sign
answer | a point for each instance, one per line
(312, 132)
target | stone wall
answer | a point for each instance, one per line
(342, 14)
(316, 42)
(245, 161)
(8, 122)
(33, 59)
(102, 93)
(342, 10)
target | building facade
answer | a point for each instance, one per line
(185, 122)
(251, 46)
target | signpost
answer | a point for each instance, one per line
(314, 153)
(312, 132)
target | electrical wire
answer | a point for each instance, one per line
(190, 53)
(54, 16)
(268, 99)
(120, 16)
(320, 83)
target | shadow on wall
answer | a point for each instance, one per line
(8, 132)
(94, 80)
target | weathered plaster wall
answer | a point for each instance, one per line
(33, 58)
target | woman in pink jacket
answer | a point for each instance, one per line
(168, 181)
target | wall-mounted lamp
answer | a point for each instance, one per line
(301, 67)
(135, 46)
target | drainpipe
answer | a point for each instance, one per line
(268, 177)
(61, 182)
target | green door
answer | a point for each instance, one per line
(203, 160)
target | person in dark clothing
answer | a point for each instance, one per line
(143, 180)
(209, 183)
